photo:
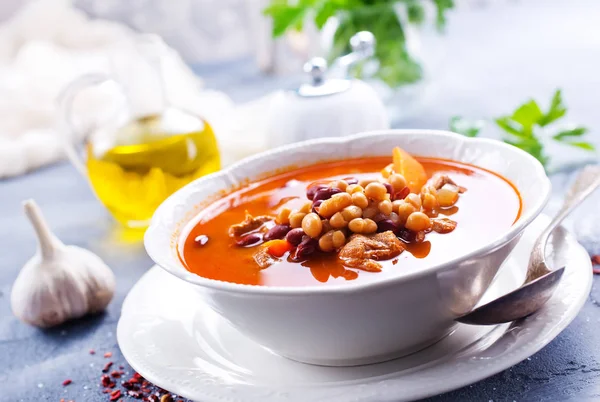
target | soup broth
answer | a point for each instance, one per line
(488, 208)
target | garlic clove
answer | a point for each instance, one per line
(59, 282)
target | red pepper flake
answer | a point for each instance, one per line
(134, 394)
(595, 262)
(105, 380)
(115, 374)
(108, 355)
(116, 394)
(107, 367)
(121, 367)
(92, 352)
(62, 400)
(66, 382)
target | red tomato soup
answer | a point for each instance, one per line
(430, 211)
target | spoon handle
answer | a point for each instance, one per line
(587, 181)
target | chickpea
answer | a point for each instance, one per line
(397, 181)
(283, 217)
(341, 184)
(396, 204)
(351, 212)
(429, 201)
(296, 219)
(337, 221)
(376, 191)
(370, 226)
(354, 188)
(326, 226)
(338, 238)
(405, 210)
(335, 204)
(312, 225)
(363, 226)
(414, 199)
(418, 222)
(326, 242)
(306, 208)
(356, 225)
(385, 207)
(360, 200)
(365, 182)
(447, 196)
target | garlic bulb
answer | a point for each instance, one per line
(60, 282)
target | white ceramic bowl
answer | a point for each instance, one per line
(353, 323)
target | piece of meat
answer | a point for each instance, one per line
(364, 264)
(263, 258)
(443, 225)
(363, 251)
(440, 180)
(249, 224)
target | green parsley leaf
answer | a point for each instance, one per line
(527, 115)
(285, 16)
(415, 12)
(556, 111)
(442, 6)
(583, 145)
(574, 132)
(508, 125)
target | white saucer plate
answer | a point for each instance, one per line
(171, 338)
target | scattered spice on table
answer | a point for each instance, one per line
(134, 387)
(107, 367)
(596, 264)
(115, 395)
(92, 352)
(66, 382)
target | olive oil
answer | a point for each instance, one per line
(151, 158)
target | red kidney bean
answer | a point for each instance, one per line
(385, 225)
(277, 232)
(294, 236)
(406, 235)
(249, 239)
(201, 240)
(312, 189)
(316, 204)
(400, 195)
(389, 188)
(351, 180)
(326, 193)
(306, 248)
(379, 217)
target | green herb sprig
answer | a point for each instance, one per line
(396, 66)
(523, 128)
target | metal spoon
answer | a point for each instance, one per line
(540, 281)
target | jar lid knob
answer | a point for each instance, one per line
(317, 68)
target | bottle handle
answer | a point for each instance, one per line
(67, 126)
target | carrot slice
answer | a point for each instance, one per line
(277, 248)
(410, 168)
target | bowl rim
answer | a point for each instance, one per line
(177, 269)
